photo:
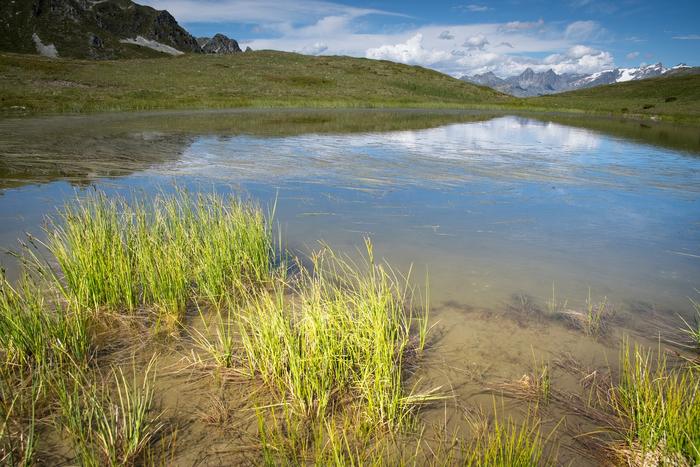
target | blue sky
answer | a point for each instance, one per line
(506, 36)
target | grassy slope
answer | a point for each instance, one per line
(673, 98)
(256, 79)
(31, 84)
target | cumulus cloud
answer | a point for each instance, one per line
(580, 59)
(632, 55)
(326, 27)
(411, 52)
(477, 42)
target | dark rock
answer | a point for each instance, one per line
(219, 44)
(94, 41)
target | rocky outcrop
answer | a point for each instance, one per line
(100, 29)
(219, 44)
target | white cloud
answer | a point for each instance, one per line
(584, 30)
(477, 42)
(325, 27)
(580, 59)
(522, 25)
(315, 49)
(476, 8)
(256, 11)
(688, 37)
(632, 55)
(411, 51)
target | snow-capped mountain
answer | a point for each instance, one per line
(531, 83)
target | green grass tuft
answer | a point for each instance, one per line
(660, 407)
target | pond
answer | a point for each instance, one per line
(506, 215)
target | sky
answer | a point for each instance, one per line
(457, 37)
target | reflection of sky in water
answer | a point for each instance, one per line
(505, 148)
(491, 208)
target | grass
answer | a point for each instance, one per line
(109, 425)
(346, 336)
(692, 329)
(659, 408)
(643, 98)
(257, 79)
(36, 85)
(329, 345)
(159, 254)
(508, 444)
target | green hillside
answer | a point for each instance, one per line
(675, 97)
(32, 84)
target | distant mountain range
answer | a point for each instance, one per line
(531, 83)
(98, 29)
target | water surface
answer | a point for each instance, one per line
(493, 206)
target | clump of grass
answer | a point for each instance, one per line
(159, 253)
(594, 320)
(108, 425)
(90, 241)
(507, 444)
(659, 408)
(345, 332)
(555, 306)
(36, 333)
(18, 401)
(692, 329)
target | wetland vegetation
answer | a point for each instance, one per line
(321, 355)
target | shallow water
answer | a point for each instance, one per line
(490, 205)
(500, 211)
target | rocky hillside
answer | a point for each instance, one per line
(530, 83)
(97, 29)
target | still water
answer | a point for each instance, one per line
(492, 207)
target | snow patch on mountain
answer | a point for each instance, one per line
(530, 83)
(47, 50)
(155, 45)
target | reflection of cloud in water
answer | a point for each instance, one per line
(488, 138)
(506, 149)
